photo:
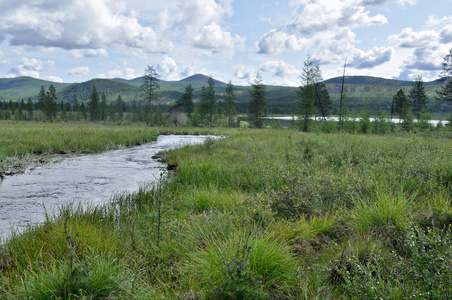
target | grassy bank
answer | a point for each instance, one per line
(261, 214)
(23, 143)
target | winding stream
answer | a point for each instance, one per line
(91, 178)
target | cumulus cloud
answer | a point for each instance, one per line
(409, 38)
(126, 73)
(168, 69)
(29, 67)
(276, 41)
(321, 15)
(81, 24)
(83, 53)
(244, 73)
(79, 71)
(214, 38)
(372, 58)
(54, 79)
(194, 14)
(279, 68)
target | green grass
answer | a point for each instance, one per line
(260, 213)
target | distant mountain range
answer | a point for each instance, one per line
(376, 93)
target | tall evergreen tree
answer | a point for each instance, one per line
(103, 107)
(400, 104)
(203, 107)
(51, 103)
(211, 100)
(322, 103)
(186, 100)
(230, 100)
(418, 97)
(444, 94)
(42, 100)
(84, 111)
(306, 94)
(119, 107)
(93, 105)
(257, 102)
(149, 87)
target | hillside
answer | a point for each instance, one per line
(24, 87)
(375, 93)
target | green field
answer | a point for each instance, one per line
(259, 214)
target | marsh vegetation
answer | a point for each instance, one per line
(260, 214)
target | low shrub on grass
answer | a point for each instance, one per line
(421, 270)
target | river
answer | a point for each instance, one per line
(83, 179)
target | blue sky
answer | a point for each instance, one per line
(231, 40)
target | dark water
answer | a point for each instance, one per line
(85, 179)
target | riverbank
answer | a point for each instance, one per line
(27, 145)
(262, 213)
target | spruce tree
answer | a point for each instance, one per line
(400, 104)
(257, 102)
(103, 107)
(230, 100)
(93, 104)
(211, 100)
(418, 97)
(186, 101)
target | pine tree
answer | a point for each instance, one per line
(257, 102)
(418, 97)
(149, 87)
(230, 100)
(93, 104)
(119, 107)
(203, 107)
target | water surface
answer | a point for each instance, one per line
(91, 178)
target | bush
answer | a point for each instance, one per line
(422, 270)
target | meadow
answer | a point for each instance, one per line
(259, 214)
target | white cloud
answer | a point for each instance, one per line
(194, 14)
(54, 79)
(81, 24)
(279, 68)
(214, 38)
(126, 73)
(82, 53)
(411, 39)
(372, 58)
(29, 67)
(321, 15)
(79, 71)
(275, 42)
(168, 69)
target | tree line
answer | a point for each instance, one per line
(313, 103)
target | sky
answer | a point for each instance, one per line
(230, 40)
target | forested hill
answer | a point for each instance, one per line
(366, 80)
(372, 92)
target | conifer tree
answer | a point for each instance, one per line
(230, 100)
(418, 97)
(186, 101)
(306, 94)
(149, 87)
(93, 104)
(257, 102)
